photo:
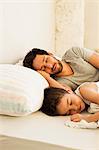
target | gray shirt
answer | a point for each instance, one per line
(78, 59)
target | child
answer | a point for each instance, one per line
(61, 102)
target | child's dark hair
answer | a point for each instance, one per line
(52, 98)
(28, 60)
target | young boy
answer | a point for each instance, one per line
(61, 102)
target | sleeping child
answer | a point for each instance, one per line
(58, 101)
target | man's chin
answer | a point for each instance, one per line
(60, 68)
(55, 74)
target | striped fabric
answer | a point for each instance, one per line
(21, 90)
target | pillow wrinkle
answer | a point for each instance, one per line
(21, 90)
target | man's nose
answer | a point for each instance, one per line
(49, 65)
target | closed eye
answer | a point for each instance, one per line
(69, 102)
(43, 68)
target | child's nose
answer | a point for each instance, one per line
(73, 107)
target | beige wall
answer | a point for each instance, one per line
(54, 25)
(69, 24)
(77, 24)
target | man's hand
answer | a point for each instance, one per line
(43, 73)
(67, 88)
(53, 83)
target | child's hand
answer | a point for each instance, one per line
(79, 117)
(76, 117)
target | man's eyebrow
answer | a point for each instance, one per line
(43, 58)
(42, 61)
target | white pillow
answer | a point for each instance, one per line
(20, 62)
(21, 90)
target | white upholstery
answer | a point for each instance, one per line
(41, 132)
(21, 90)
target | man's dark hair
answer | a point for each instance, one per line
(28, 60)
(52, 97)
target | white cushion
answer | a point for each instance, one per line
(21, 90)
(20, 62)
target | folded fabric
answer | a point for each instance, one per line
(93, 108)
(82, 124)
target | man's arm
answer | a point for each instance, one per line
(94, 60)
(53, 83)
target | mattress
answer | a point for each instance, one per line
(41, 132)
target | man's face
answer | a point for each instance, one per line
(48, 64)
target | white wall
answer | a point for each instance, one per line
(25, 24)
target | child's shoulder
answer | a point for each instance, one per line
(88, 85)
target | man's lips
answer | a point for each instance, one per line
(54, 67)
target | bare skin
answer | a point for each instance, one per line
(54, 83)
(72, 104)
(89, 92)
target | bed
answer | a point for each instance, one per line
(39, 131)
(35, 131)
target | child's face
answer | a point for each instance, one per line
(70, 104)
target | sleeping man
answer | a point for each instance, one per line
(78, 65)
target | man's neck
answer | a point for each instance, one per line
(66, 71)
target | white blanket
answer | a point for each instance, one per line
(82, 124)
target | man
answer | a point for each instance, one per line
(78, 65)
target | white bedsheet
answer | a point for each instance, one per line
(41, 132)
